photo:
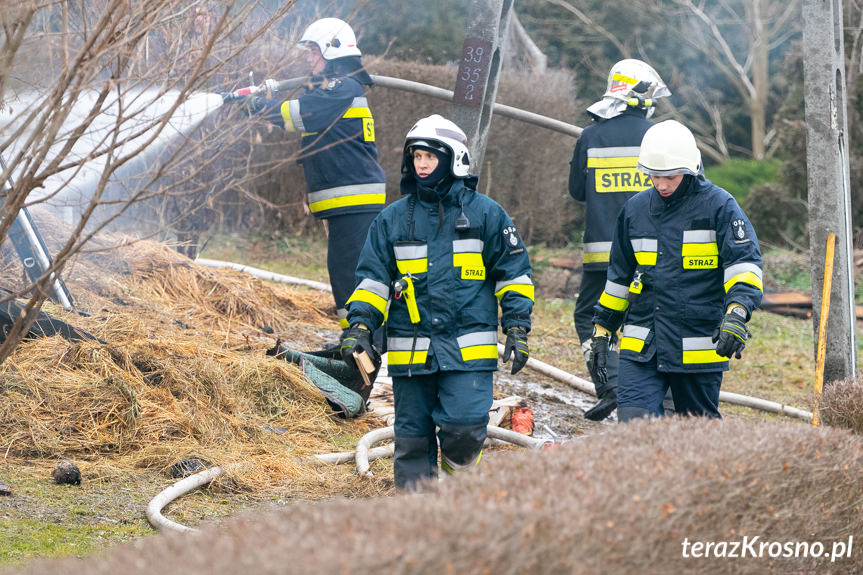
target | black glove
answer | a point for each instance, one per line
(730, 336)
(516, 343)
(252, 105)
(357, 339)
(598, 358)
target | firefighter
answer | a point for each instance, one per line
(684, 277)
(603, 176)
(444, 257)
(345, 185)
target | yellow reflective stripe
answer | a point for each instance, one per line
(613, 302)
(345, 201)
(746, 278)
(479, 352)
(343, 323)
(358, 112)
(413, 266)
(471, 264)
(708, 249)
(632, 344)
(618, 77)
(370, 298)
(619, 162)
(645, 258)
(467, 259)
(523, 289)
(285, 109)
(702, 356)
(404, 357)
(592, 258)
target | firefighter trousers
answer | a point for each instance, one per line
(455, 402)
(642, 388)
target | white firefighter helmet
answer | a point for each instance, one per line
(668, 149)
(630, 83)
(334, 37)
(435, 131)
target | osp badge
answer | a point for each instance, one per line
(738, 229)
(510, 238)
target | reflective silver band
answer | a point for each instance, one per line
(737, 269)
(407, 343)
(616, 290)
(699, 236)
(411, 252)
(478, 338)
(617, 152)
(352, 190)
(698, 343)
(375, 287)
(296, 118)
(644, 244)
(636, 331)
(597, 247)
(523, 279)
(467, 246)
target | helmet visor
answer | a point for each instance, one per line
(431, 144)
(670, 173)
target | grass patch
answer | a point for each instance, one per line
(41, 519)
(26, 539)
(303, 257)
(739, 175)
(786, 270)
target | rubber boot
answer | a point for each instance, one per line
(625, 414)
(414, 462)
(668, 404)
(607, 403)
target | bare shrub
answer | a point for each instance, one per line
(841, 405)
(89, 92)
(621, 502)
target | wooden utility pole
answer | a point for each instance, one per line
(478, 73)
(829, 183)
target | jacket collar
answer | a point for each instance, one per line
(458, 187)
(690, 186)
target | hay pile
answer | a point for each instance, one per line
(184, 372)
(620, 502)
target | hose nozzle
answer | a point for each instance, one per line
(240, 94)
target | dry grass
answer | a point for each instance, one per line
(183, 374)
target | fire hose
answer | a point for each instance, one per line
(578, 383)
(511, 112)
(362, 455)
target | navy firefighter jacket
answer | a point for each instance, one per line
(459, 279)
(603, 174)
(338, 155)
(675, 267)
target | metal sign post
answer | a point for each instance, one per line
(829, 182)
(478, 73)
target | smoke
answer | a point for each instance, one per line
(122, 145)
